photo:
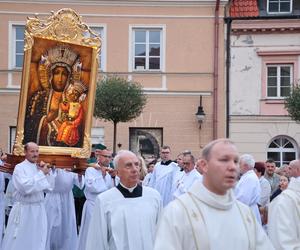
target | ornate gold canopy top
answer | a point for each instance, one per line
(64, 25)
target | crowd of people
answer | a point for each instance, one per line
(219, 201)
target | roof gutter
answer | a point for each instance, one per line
(227, 19)
(216, 70)
(228, 63)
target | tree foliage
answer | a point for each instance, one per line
(119, 100)
(292, 104)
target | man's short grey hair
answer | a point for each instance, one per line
(248, 159)
(120, 154)
(191, 157)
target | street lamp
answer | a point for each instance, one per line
(200, 115)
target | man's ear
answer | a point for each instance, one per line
(203, 165)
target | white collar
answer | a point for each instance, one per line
(129, 189)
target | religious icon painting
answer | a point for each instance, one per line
(58, 85)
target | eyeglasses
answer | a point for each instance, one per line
(106, 156)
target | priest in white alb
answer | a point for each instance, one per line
(3, 176)
(189, 176)
(27, 224)
(208, 216)
(164, 174)
(97, 180)
(248, 189)
(60, 208)
(284, 213)
(125, 217)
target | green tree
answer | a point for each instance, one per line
(292, 104)
(118, 100)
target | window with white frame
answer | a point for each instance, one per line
(100, 31)
(97, 135)
(282, 150)
(147, 48)
(12, 136)
(279, 6)
(279, 80)
(18, 45)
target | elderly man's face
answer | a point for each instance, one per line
(221, 169)
(128, 170)
(32, 152)
(270, 168)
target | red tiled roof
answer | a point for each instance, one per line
(244, 8)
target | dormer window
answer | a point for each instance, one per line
(279, 6)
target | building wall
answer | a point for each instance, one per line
(255, 120)
(253, 134)
(173, 93)
(246, 69)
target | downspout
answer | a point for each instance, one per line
(228, 62)
(215, 72)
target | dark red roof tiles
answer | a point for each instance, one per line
(244, 8)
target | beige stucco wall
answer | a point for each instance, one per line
(254, 134)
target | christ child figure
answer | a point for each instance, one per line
(72, 111)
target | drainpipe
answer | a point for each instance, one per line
(228, 61)
(216, 69)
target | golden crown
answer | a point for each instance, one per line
(62, 54)
(80, 87)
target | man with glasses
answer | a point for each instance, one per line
(97, 180)
(189, 177)
(163, 175)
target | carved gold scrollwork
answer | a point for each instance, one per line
(64, 25)
(84, 152)
(18, 146)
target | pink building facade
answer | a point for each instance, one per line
(175, 49)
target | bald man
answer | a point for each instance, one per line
(125, 217)
(284, 213)
(208, 216)
(27, 224)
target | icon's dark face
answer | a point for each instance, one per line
(60, 77)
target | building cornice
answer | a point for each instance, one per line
(176, 93)
(4, 91)
(114, 15)
(260, 118)
(147, 3)
(278, 52)
(265, 26)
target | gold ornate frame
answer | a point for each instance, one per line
(65, 28)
